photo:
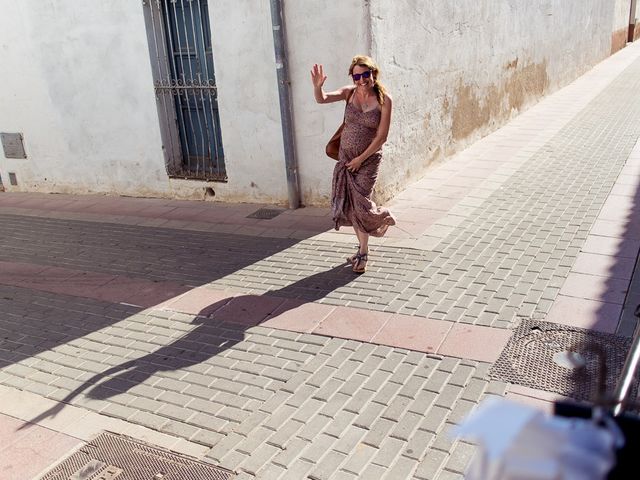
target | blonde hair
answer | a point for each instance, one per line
(367, 62)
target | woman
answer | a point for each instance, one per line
(367, 119)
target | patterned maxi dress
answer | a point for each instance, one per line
(351, 202)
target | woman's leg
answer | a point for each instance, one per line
(364, 243)
(360, 263)
(352, 258)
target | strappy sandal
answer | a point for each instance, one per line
(353, 257)
(360, 264)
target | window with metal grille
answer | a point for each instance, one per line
(184, 78)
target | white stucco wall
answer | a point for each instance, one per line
(458, 70)
(244, 57)
(620, 29)
(319, 32)
(77, 84)
(76, 81)
(622, 13)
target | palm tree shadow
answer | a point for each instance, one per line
(218, 327)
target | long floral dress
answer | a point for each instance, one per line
(351, 202)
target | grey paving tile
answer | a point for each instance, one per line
(374, 471)
(506, 261)
(378, 432)
(299, 469)
(334, 404)
(460, 457)
(316, 450)
(369, 415)
(284, 433)
(431, 465)
(260, 457)
(327, 466)
(358, 460)
(402, 468)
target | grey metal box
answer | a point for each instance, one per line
(12, 145)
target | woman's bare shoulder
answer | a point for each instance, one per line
(348, 89)
(388, 102)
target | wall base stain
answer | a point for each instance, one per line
(619, 39)
(635, 33)
(473, 110)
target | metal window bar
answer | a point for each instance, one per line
(217, 138)
(206, 147)
(163, 91)
(179, 76)
(185, 88)
(183, 100)
(169, 85)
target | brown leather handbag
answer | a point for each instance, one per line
(333, 147)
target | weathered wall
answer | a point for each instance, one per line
(243, 52)
(80, 89)
(459, 70)
(634, 34)
(328, 36)
(620, 29)
(76, 81)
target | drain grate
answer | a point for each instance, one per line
(116, 457)
(265, 213)
(539, 355)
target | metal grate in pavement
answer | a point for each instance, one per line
(265, 213)
(566, 360)
(112, 456)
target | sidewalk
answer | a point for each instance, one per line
(246, 342)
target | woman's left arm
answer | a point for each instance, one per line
(378, 140)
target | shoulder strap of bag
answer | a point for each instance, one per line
(349, 94)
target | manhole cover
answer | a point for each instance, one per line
(116, 457)
(561, 359)
(265, 213)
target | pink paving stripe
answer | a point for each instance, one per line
(95, 285)
(537, 394)
(182, 215)
(353, 323)
(20, 271)
(381, 328)
(617, 247)
(403, 331)
(475, 342)
(198, 301)
(298, 316)
(603, 265)
(249, 310)
(593, 287)
(27, 453)
(585, 313)
(414, 333)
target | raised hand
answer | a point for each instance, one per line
(317, 76)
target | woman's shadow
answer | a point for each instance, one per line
(220, 326)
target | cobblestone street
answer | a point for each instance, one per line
(249, 344)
